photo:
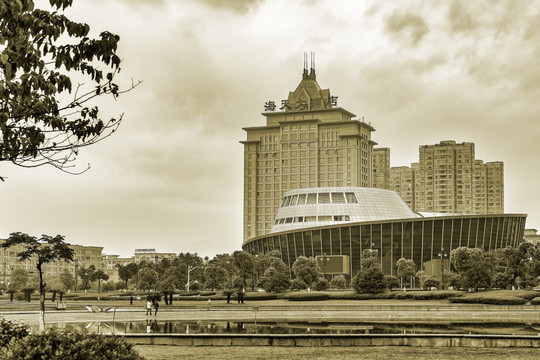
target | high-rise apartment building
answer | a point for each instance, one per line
(381, 168)
(448, 179)
(308, 141)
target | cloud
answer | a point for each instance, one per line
(460, 18)
(240, 6)
(412, 26)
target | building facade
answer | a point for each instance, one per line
(448, 179)
(377, 219)
(83, 256)
(382, 178)
(307, 142)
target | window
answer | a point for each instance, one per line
(302, 199)
(338, 198)
(324, 198)
(351, 198)
(312, 199)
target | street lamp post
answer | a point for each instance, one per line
(189, 270)
(442, 255)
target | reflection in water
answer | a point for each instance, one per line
(227, 327)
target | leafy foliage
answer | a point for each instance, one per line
(391, 281)
(41, 52)
(405, 268)
(475, 267)
(11, 331)
(321, 284)
(43, 250)
(369, 280)
(54, 344)
(338, 282)
(297, 284)
(306, 269)
(274, 280)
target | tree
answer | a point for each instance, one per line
(19, 279)
(41, 52)
(56, 286)
(517, 260)
(98, 275)
(274, 280)
(126, 272)
(148, 279)
(109, 286)
(243, 263)
(43, 250)
(405, 268)
(67, 279)
(215, 275)
(306, 269)
(370, 279)
(85, 273)
(369, 258)
(474, 267)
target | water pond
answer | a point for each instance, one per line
(224, 327)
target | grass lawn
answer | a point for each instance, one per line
(152, 352)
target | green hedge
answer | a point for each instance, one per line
(262, 296)
(535, 301)
(307, 296)
(491, 299)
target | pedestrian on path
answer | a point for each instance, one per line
(148, 307)
(156, 306)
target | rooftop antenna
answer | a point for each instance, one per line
(312, 70)
(305, 73)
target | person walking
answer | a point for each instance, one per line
(156, 306)
(148, 307)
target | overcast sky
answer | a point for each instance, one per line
(171, 177)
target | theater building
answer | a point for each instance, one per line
(337, 223)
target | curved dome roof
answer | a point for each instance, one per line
(309, 207)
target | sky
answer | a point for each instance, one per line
(171, 177)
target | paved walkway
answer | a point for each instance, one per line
(296, 312)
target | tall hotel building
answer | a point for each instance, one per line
(308, 141)
(447, 179)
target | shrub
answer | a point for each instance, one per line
(58, 345)
(108, 286)
(429, 281)
(298, 284)
(338, 282)
(11, 330)
(306, 296)
(391, 281)
(321, 284)
(369, 280)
